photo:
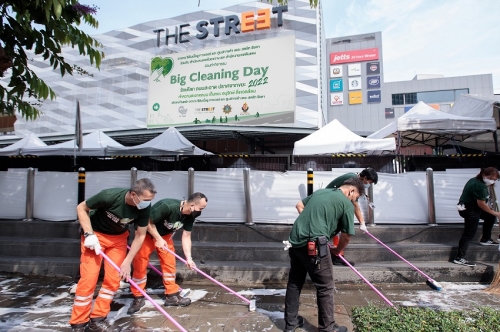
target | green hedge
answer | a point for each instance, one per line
(414, 319)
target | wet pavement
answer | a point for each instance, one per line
(32, 303)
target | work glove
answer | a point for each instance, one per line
(363, 227)
(288, 245)
(92, 242)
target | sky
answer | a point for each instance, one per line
(444, 37)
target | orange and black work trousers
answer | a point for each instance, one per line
(115, 247)
(167, 262)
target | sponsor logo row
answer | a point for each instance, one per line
(372, 68)
(355, 97)
(354, 83)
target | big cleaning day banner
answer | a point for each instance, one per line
(251, 83)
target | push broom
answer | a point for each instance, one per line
(183, 293)
(430, 282)
(494, 287)
(144, 294)
(251, 303)
(366, 281)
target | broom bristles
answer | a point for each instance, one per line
(494, 287)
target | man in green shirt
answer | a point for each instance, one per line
(369, 176)
(167, 216)
(104, 219)
(322, 215)
(472, 206)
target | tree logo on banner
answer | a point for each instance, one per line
(161, 67)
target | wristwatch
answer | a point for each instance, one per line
(87, 234)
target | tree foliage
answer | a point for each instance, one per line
(43, 27)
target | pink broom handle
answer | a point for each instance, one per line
(207, 276)
(151, 266)
(395, 253)
(156, 270)
(365, 280)
(144, 293)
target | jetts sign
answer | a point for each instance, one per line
(232, 24)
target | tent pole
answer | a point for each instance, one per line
(495, 139)
(398, 148)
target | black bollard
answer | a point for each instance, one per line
(310, 181)
(81, 185)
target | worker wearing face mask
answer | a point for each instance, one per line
(167, 216)
(369, 176)
(473, 206)
(104, 220)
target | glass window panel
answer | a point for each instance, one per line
(411, 98)
(461, 92)
(397, 99)
(436, 96)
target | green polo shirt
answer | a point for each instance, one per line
(474, 190)
(337, 182)
(166, 215)
(111, 215)
(326, 212)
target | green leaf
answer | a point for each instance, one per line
(57, 9)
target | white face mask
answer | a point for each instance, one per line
(367, 185)
(488, 182)
(142, 204)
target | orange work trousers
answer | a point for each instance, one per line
(336, 240)
(115, 247)
(167, 262)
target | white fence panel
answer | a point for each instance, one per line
(13, 194)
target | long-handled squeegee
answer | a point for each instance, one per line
(430, 282)
(183, 293)
(144, 294)
(251, 303)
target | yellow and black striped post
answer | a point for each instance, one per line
(81, 185)
(310, 181)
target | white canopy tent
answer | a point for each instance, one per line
(474, 106)
(170, 142)
(423, 124)
(30, 141)
(94, 144)
(336, 138)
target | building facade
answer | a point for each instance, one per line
(249, 74)
(360, 99)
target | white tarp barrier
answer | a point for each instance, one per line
(56, 194)
(97, 181)
(399, 198)
(13, 194)
(172, 185)
(226, 197)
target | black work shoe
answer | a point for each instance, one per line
(136, 305)
(489, 242)
(462, 261)
(337, 261)
(102, 326)
(340, 328)
(79, 329)
(300, 323)
(176, 299)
